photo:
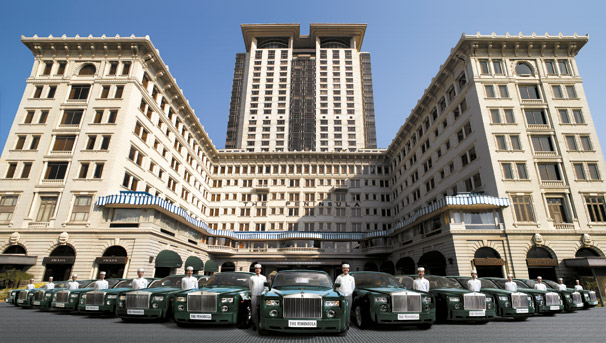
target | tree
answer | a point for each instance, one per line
(13, 277)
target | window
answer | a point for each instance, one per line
(501, 142)
(484, 67)
(29, 117)
(125, 68)
(83, 170)
(105, 142)
(535, 117)
(507, 171)
(503, 91)
(557, 210)
(596, 208)
(136, 156)
(20, 142)
(56, 170)
(104, 92)
(529, 92)
(98, 170)
(564, 69)
(571, 142)
(43, 117)
(7, 207)
(113, 68)
(523, 69)
(47, 208)
(522, 173)
(88, 69)
(113, 114)
(490, 91)
(579, 171)
(72, 117)
(81, 209)
(27, 168)
(564, 117)
(47, 68)
(90, 144)
(515, 142)
(497, 67)
(571, 92)
(509, 117)
(550, 66)
(61, 68)
(542, 143)
(578, 117)
(119, 92)
(594, 173)
(34, 144)
(468, 157)
(586, 143)
(79, 92)
(549, 172)
(10, 173)
(64, 143)
(130, 182)
(37, 92)
(557, 92)
(523, 210)
(51, 92)
(141, 132)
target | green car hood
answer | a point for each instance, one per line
(386, 290)
(453, 291)
(324, 292)
(224, 289)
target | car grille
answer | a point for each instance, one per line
(23, 295)
(137, 299)
(552, 299)
(474, 301)
(38, 295)
(576, 298)
(306, 307)
(519, 300)
(201, 302)
(95, 298)
(62, 296)
(406, 302)
(592, 296)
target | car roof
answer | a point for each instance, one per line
(303, 270)
(370, 272)
(248, 273)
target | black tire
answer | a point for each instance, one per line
(127, 320)
(182, 324)
(343, 333)
(520, 319)
(263, 332)
(245, 316)
(549, 314)
(361, 317)
(424, 326)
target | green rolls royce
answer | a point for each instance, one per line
(516, 305)
(43, 297)
(151, 303)
(547, 303)
(104, 301)
(379, 298)
(224, 299)
(68, 300)
(455, 303)
(574, 299)
(302, 301)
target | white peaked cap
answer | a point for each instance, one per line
(510, 275)
(102, 273)
(257, 266)
(74, 275)
(345, 265)
(574, 280)
(33, 280)
(473, 271)
(141, 270)
(539, 277)
(560, 279)
(420, 269)
(50, 277)
(189, 268)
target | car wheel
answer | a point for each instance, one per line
(245, 317)
(520, 319)
(343, 333)
(361, 317)
(424, 326)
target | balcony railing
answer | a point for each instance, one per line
(563, 226)
(382, 249)
(53, 181)
(546, 153)
(301, 249)
(553, 183)
(38, 224)
(539, 127)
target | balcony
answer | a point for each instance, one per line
(53, 181)
(545, 153)
(222, 249)
(38, 225)
(553, 183)
(378, 250)
(300, 250)
(563, 226)
(532, 101)
(539, 127)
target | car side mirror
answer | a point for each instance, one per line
(337, 285)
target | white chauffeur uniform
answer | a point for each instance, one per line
(140, 283)
(511, 286)
(101, 284)
(188, 282)
(73, 285)
(256, 283)
(348, 285)
(540, 286)
(30, 286)
(474, 285)
(578, 287)
(421, 284)
(561, 287)
(49, 285)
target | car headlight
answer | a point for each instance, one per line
(427, 300)
(227, 300)
(158, 298)
(224, 308)
(503, 298)
(330, 303)
(383, 308)
(539, 297)
(488, 299)
(182, 299)
(454, 299)
(112, 296)
(567, 296)
(272, 302)
(273, 313)
(76, 295)
(381, 299)
(123, 298)
(48, 295)
(331, 313)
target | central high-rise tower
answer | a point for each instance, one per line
(302, 93)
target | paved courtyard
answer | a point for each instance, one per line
(22, 325)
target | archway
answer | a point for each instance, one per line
(371, 267)
(15, 257)
(59, 263)
(228, 267)
(388, 267)
(167, 262)
(210, 267)
(587, 252)
(196, 263)
(541, 262)
(15, 250)
(433, 262)
(488, 262)
(406, 265)
(112, 262)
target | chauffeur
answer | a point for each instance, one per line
(50, 284)
(561, 285)
(101, 283)
(140, 282)
(510, 285)
(348, 285)
(30, 285)
(578, 286)
(73, 284)
(540, 285)
(256, 283)
(421, 283)
(189, 282)
(474, 284)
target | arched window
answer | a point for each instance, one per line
(433, 262)
(16, 250)
(524, 69)
(88, 69)
(228, 267)
(273, 44)
(406, 265)
(387, 267)
(486, 252)
(63, 250)
(538, 252)
(115, 250)
(334, 44)
(586, 252)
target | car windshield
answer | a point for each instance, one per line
(228, 279)
(375, 280)
(83, 283)
(112, 282)
(61, 284)
(442, 282)
(170, 281)
(124, 284)
(551, 284)
(530, 283)
(202, 281)
(406, 281)
(302, 279)
(155, 283)
(483, 282)
(90, 284)
(501, 283)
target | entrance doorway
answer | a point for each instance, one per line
(488, 262)
(433, 262)
(59, 263)
(113, 262)
(541, 262)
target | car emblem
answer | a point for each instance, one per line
(302, 293)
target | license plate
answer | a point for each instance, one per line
(554, 308)
(20, 301)
(136, 312)
(521, 310)
(36, 303)
(200, 316)
(92, 308)
(302, 323)
(481, 313)
(579, 305)
(59, 305)
(408, 316)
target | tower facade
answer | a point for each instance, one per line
(302, 93)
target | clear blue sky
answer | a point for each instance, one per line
(408, 41)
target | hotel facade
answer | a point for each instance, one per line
(498, 167)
